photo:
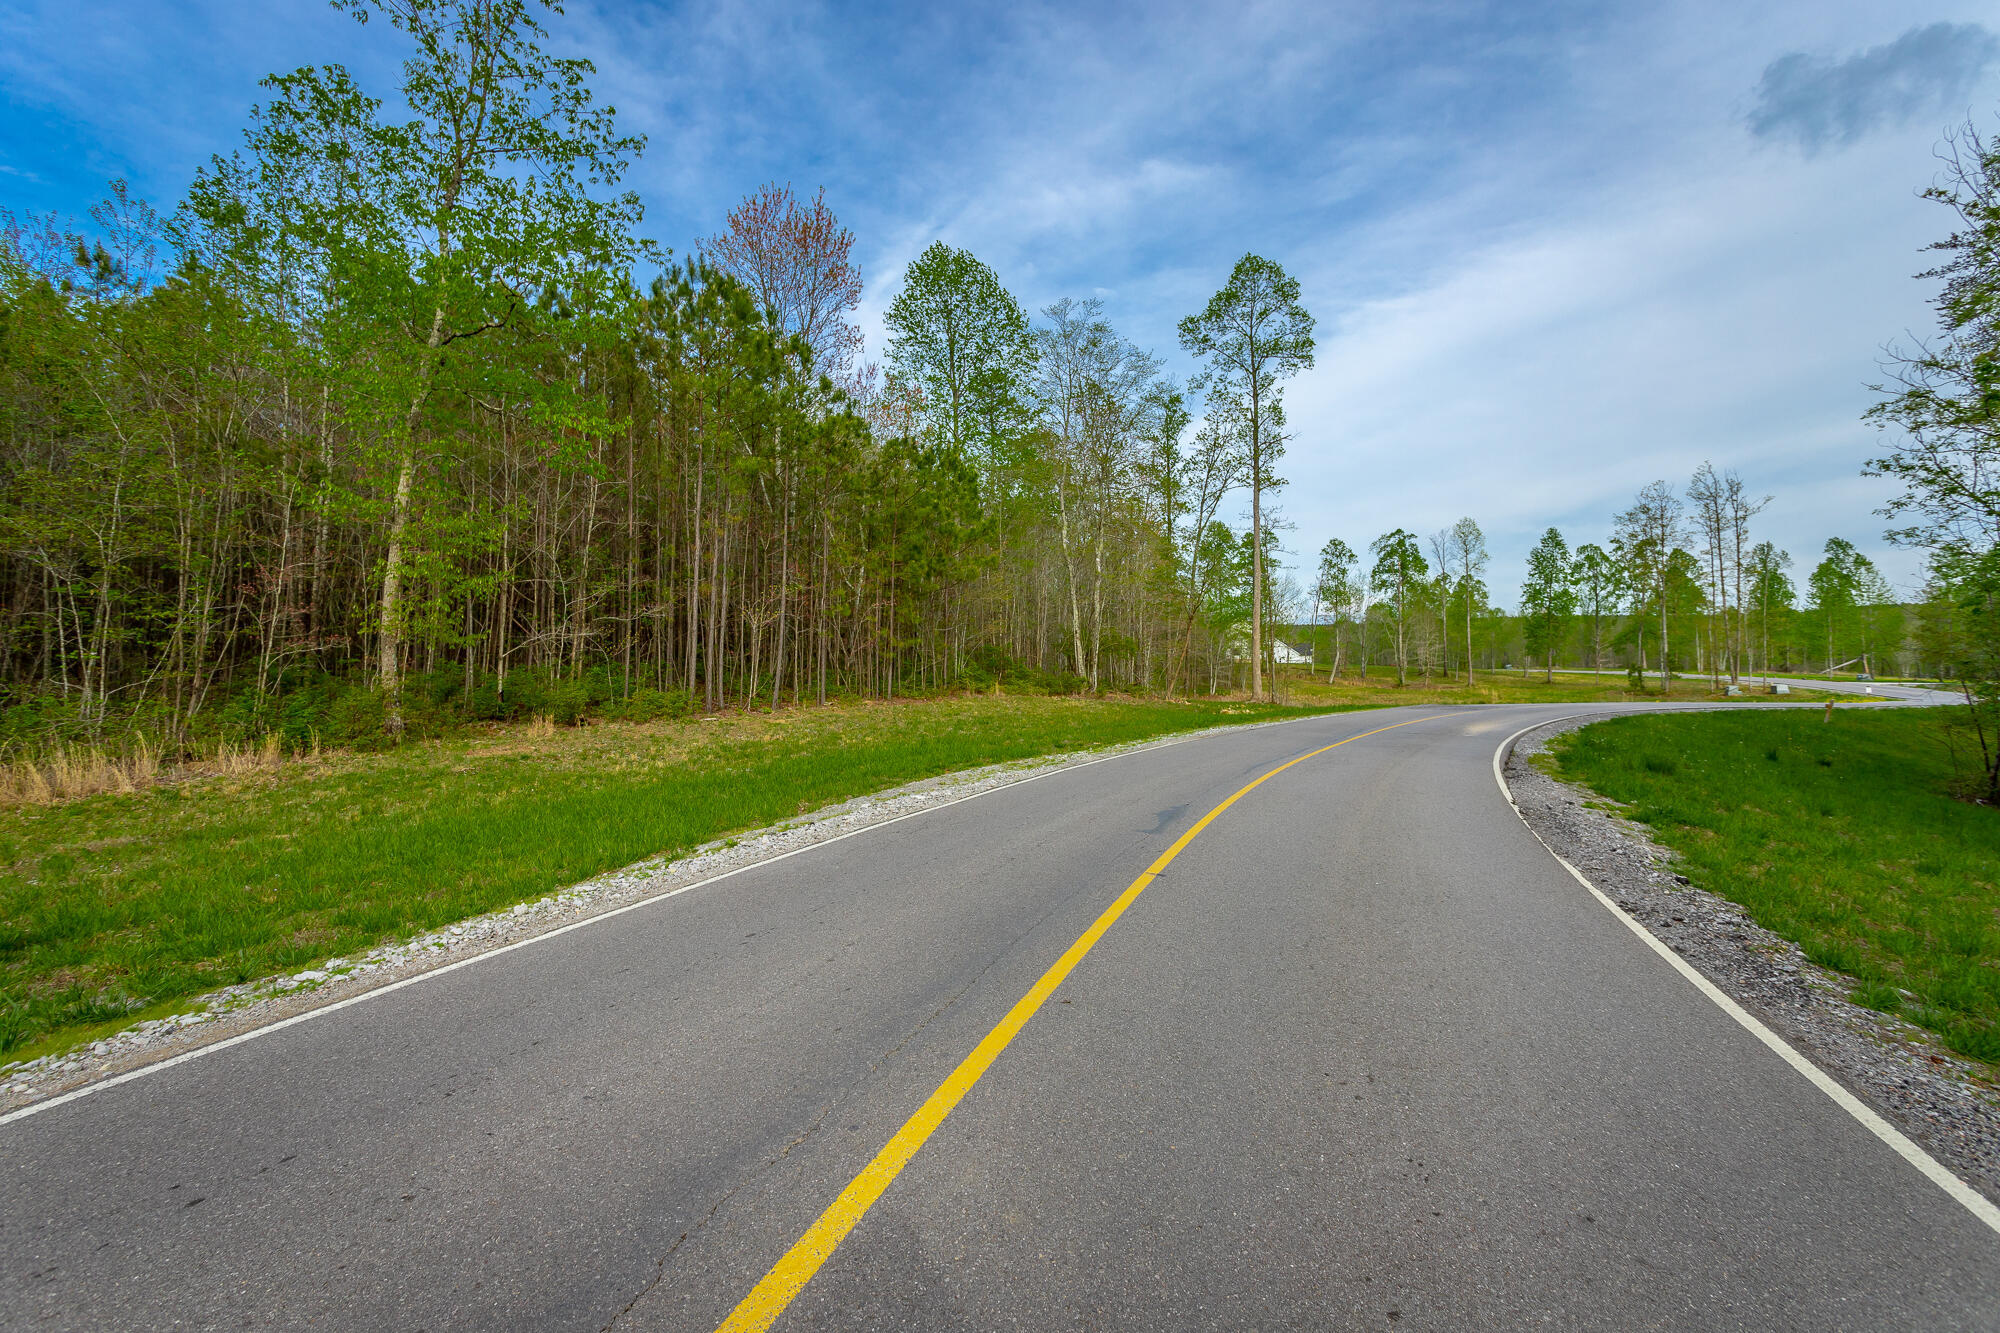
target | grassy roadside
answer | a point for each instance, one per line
(1511, 687)
(1842, 836)
(116, 908)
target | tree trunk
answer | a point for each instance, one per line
(390, 634)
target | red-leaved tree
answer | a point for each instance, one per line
(795, 257)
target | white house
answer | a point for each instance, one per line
(1285, 655)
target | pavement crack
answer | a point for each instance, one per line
(660, 1268)
(959, 994)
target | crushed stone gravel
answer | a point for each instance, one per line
(1946, 1103)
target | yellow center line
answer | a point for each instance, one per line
(788, 1277)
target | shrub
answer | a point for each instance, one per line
(567, 702)
(354, 719)
(649, 705)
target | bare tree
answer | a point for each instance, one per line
(1214, 468)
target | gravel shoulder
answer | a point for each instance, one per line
(236, 1010)
(1944, 1102)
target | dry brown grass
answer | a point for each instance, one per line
(71, 771)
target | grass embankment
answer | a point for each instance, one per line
(120, 907)
(1842, 836)
(1510, 687)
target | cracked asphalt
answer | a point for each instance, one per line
(1364, 1057)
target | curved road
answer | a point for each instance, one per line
(1363, 1056)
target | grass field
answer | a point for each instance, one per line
(115, 908)
(1842, 836)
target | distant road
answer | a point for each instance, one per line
(1363, 1055)
(1922, 694)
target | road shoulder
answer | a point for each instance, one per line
(1942, 1101)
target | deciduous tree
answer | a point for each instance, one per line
(796, 257)
(961, 342)
(1398, 577)
(1646, 537)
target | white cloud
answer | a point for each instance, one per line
(1730, 311)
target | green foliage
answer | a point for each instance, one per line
(960, 342)
(1960, 631)
(1844, 837)
(1397, 577)
(1945, 399)
(1548, 598)
(383, 404)
(1600, 589)
(650, 705)
(1252, 336)
(1943, 408)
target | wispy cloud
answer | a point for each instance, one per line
(1815, 102)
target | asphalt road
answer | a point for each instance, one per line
(1364, 1056)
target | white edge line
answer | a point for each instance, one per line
(1975, 1203)
(159, 1067)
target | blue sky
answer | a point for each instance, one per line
(1555, 251)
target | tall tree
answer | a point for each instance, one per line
(961, 342)
(1548, 598)
(1214, 466)
(1646, 537)
(1336, 589)
(1770, 591)
(1709, 496)
(1398, 578)
(1836, 584)
(1943, 407)
(1252, 336)
(1739, 509)
(1095, 391)
(1099, 407)
(1465, 547)
(1723, 510)
(1600, 591)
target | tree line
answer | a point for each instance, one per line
(397, 416)
(1680, 586)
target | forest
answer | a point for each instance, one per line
(397, 420)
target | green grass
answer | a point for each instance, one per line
(117, 908)
(1842, 836)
